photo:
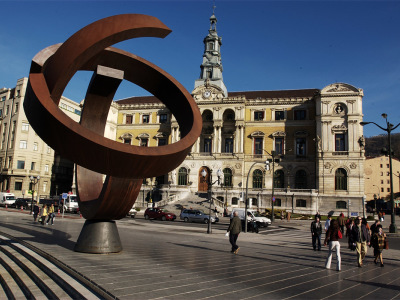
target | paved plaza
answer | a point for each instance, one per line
(174, 261)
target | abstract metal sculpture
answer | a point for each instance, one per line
(125, 165)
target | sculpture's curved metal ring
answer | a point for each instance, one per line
(84, 143)
(93, 151)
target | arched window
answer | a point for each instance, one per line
(227, 177)
(207, 116)
(257, 179)
(300, 180)
(279, 179)
(341, 179)
(182, 176)
(341, 204)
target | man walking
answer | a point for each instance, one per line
(316, 231)
(234, 230)
(361, 237)
(327, 223)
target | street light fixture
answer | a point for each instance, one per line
(379, 195)
(389, 128)
(247, 189)
(210, 183)
(273, 159)
(34, 181)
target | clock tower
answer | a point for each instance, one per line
(210, 82)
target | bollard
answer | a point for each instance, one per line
(22, 208)
(6, 206)
(58, 211)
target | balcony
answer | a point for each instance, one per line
(341, 153)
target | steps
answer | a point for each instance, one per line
(194, 201)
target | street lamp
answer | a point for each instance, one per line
(220, 175)
(34, 181)
(389, 128)
(273, 160)
(379, 194)
(247, 188)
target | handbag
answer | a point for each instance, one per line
(386, 245)
(340, 235)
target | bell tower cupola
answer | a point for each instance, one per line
(211, 68)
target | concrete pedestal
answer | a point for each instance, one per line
(99, 237)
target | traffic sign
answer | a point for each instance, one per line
(64, 196)
(273, 199)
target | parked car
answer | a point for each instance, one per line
(24, 202)
(196, 215)
(132, 213)
(159, 213)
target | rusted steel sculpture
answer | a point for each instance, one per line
(124, 165)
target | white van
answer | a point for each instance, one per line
(71, 204)
(255, 215)
(7, 199)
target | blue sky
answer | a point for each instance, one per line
(266, 45)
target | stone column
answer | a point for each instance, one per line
(241, 139)
(219, 139)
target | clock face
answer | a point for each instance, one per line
(206, 94)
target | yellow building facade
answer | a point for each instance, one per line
(311, 139)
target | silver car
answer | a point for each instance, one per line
(196, 215)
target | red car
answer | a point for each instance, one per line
(159, 213)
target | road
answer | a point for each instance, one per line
(175, 260)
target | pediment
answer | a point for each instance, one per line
(340, 88)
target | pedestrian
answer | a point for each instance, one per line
(36, 210)
(342, 221)
(380, 216)
(327, 223)
(50, 214)
(350, 226)
(360, 238)
(316, 231)
(43, 214)
(374, 226)
(317, 215)
(365, 222)
(378, 242)
(288, 216)
(333, 235)
(234, 231)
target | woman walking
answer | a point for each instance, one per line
(378, 242)
(332, 235)
(43, 214)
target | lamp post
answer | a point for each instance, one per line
(247, 189)
(379, 194)
(34, 181)
(273, 160)
(389, 128)
(220, 174)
